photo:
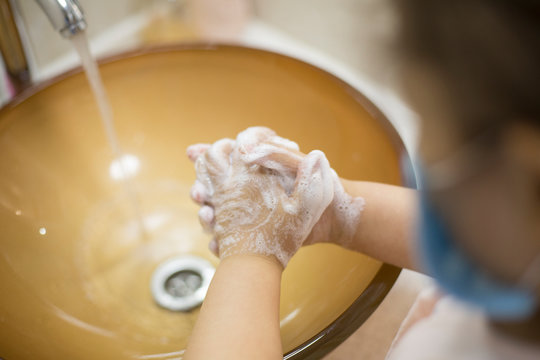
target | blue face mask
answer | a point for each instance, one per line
(458, 276)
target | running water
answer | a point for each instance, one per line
(80, 42)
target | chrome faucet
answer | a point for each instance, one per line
(67, 18)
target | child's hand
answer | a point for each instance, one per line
(252, 209)
(339, 221)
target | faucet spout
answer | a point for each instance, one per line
(66, 16)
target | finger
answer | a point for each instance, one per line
(206, 218)
(199, 194)
(218, 156)
(196, 150)
(203, 175)
(271, 156)
(213, 247)
(284, 143)
(211, 167)
(252, 136)
(314, 187)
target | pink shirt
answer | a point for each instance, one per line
(446, 329)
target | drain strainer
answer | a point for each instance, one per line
(181, 283)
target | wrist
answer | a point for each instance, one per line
(346, 213)
(253, 259)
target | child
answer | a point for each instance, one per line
(471, 71)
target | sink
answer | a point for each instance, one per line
(74, 270)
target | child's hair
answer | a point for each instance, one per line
(487, 52)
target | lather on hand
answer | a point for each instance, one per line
(253, 209)
(340, 219)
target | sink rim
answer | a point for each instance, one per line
(368, 301)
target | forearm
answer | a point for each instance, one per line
(239, 318)
(387, 227)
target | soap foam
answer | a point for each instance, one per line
(266, 155)
(285, 143)
(347, 211)
(271, 209)
(206, 217)
(254, 212)
(198, 193)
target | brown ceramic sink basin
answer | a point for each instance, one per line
(75, 277)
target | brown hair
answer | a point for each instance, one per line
(487, 53)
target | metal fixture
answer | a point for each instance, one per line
(67, 18)
(181, 283)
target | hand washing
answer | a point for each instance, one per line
(260, 195)
(306, 256)
(473, 226)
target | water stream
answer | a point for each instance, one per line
(121, 161)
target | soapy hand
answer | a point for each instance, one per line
(340, 220)
(254, 209)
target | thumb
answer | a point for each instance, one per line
(314, 187)
(284, 161)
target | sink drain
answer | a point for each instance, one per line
(181, 283)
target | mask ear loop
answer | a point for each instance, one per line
(531, 277)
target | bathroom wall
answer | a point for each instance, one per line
(47, 45)
(357, 32)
